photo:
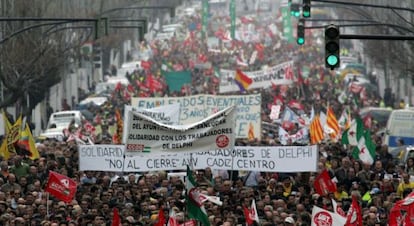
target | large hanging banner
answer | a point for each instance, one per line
(276, 75)
(145, 134)
(196, 108)
(265, 159)
(167, 114)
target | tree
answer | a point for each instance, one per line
(32, 60)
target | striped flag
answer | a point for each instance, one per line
(332, 123)
(27, 143)
(242, 80)
(316, 130)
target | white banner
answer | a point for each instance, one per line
(214, 132)
(261, 78)
(196, 108)
(166, 114)
(265, 159)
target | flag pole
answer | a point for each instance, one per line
(47, 204)
(123, 163)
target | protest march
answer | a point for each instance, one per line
(225, 123)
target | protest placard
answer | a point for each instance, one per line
(198, 107)
(265, 159)
(166, 114)
(145, 134)
(261, 79)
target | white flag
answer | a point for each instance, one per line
(325, 217)
(213, 199)
(253, 212)
(338, 209)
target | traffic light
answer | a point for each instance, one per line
(141, 34)
(101, 27)
(97, 54)
(294, 9)
(306, 8)
(300, 39)
(332, 47)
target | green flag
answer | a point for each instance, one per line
(365, 150)
(217, 72)
(353, 133)
(176, 79)
(195, 207)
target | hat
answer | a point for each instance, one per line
(289, 220)
(315, 196)
(130, 219)
(375, 191)
(3, 203)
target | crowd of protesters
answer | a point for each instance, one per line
(281, 198)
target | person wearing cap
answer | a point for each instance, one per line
(289, 221)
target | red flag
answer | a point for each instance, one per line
(296, 104)
(249, 220)
(153, 84)
(354, 216)
(246, 20)
(146, 64)
(161, 218)
(202, 58)
(172, 220)
(355, 88)
(406, 205)
(118, 87)
(288, 125)
(189, 223)
(89, 127)
(395, 217)
(259, 47)
(61, 186)
(289, 73)
(251, 214)
(278, 100)
(116, 221)
(323, 183)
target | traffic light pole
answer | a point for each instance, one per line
(366, 5)
(366, 23)
(57, 21)
(376, 37)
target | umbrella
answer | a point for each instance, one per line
(88, 115)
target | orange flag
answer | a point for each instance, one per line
(316, 130)
(332, 123)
